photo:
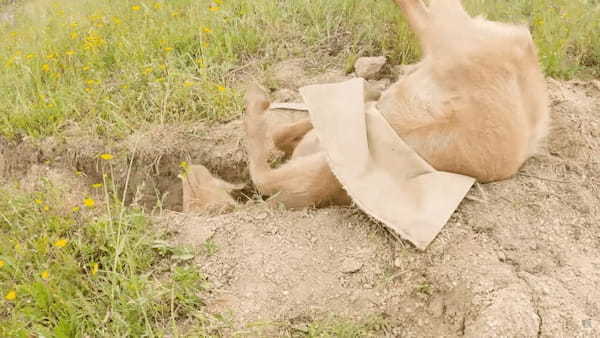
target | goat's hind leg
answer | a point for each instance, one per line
(298, 183)
(287, 137)
(417, 15)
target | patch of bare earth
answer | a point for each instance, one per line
(519, 257)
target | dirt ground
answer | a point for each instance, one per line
(519, 258)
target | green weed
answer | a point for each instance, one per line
(89, 272)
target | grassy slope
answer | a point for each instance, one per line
(112, 66)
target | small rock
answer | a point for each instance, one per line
(596, 84)
(350, 265)
(369, 67)
(398, 262)
(501, 256)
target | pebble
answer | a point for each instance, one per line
(350, 265)
(369, 67)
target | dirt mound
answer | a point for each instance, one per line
(519, 258)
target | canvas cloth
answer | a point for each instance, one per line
(385, 177)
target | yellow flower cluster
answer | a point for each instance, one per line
(61, 243)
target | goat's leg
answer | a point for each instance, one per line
(417, 15)
(257, 103)
(303, 182)
(287, 137)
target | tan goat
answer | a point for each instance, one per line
(476, 104)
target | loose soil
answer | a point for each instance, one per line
(519, 257)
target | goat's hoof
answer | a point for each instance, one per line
(257, 98)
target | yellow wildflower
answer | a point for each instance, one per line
(125, 86)
(74, 24)
(219, 2)
(117, 21)
(75, 209)
(147, 70)
(136, 8)
(88, 89)
(97, 185)
(50, 105)
(168, 49)
(88, 202)
(74, 35)
(188, 83)
(207, 30)
(183, 165)
(221, 88)
(2, 263)
(106, 157)
(46, 208)
(46, 67)
(38, 201)
(70, 52)
(30, 56)
(174, 14)
(51, 56)
(213, 8)
(45, 274)
(61, 243)
(157, 5)
(11, 295)
(90, 82)
(94, 268)
(86, 68)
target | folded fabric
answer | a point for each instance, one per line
(385, 177)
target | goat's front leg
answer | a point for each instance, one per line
(287, 137)
(299, 183)
(417, 15)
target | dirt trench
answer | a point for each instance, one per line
(519, 257)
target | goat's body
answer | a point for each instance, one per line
(475, 105)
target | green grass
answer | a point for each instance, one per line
(111, 66)
(90, 272)
(370, 327)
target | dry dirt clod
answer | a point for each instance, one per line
(369, 67)
(351, 265)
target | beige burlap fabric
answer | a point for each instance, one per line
(385, 177)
